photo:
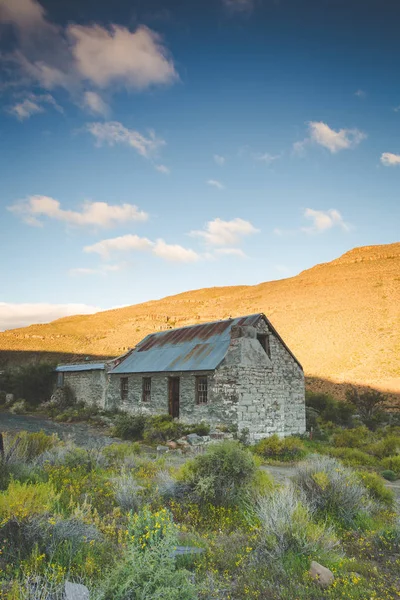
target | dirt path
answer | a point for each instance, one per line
(81, 433)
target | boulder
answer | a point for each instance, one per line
(172, 445)
(75, 591)
(321, 575)
(194, 439)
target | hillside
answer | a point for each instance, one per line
(341, 319)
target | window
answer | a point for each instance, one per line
(146, 389)
(60, 380)
(201, 390)
(124, 388)
(264, 341)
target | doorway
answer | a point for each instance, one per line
(173, 396)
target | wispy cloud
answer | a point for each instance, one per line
(163, 169)
(320, 133)
(220, 160)
(390, 160)
(267, 158)
(225, 233)
(360, 94)
(324, 220)
(231, 252)
(21, 315)
(33, 104)
(101, 270)
(113, 132)
(95, 104)
(98, 214)
(215, 183)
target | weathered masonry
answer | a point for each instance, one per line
(234, 372)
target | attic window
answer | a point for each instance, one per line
(264, 341)
(146, 389)
(124, 388)
(201, 390)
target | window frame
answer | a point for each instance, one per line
(263, 338)
(60, 379)
(124, 388)
(201, 392)
(146, 393)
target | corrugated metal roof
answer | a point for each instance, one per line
(80, 367)
(195, 348)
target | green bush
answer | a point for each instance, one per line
(352, 438)
(353, 457)
(129, 427)
(389, 475)
(162, 428)
(389, 446)
(376, 488)
(329, 409)
(392, 463)
(331, 489)
(283, 449)
(221, 475)
(34, 383)
(286, 526)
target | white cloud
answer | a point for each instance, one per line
(231, 252)
(122, 243)
(78, 57)
(163, 169)
(267, 158)
(31, 105)
(300, 147)
(324, 220)
(21, 315)
(225, 233)
(95, 104)
(396, 108)
(174, 252)
(127, 243)
(239, 6)
(220, 160)
(116, 55)
(390, 160)
(360, 94)
(98, 214)
(322, 134)
(215, 183)
(114, 132)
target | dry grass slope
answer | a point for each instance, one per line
(341, 319)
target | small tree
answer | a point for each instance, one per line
(368, 404)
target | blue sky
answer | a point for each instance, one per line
(151, 148)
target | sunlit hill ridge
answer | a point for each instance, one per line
(341, 319)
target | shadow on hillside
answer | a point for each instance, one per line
(12, 358)
(17, 358)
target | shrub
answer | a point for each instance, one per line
(118, 453)
(368, 404)
(331, 489)
(21, 501)
(328, 409)
(129, 427)
(286, 526)
(33, 382)
(162, 428)
(19, 407)
(352, 457)
(199, 428)
(389, 475)
(221, 475)
(376, 488)
(283, 449)
(392, 463)
(127, 492)
(26, 446)
(352, 438)
(387, 447)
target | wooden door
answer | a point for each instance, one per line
(173, 396)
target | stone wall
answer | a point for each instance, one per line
(87, 386)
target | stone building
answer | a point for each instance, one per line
(234, 372)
